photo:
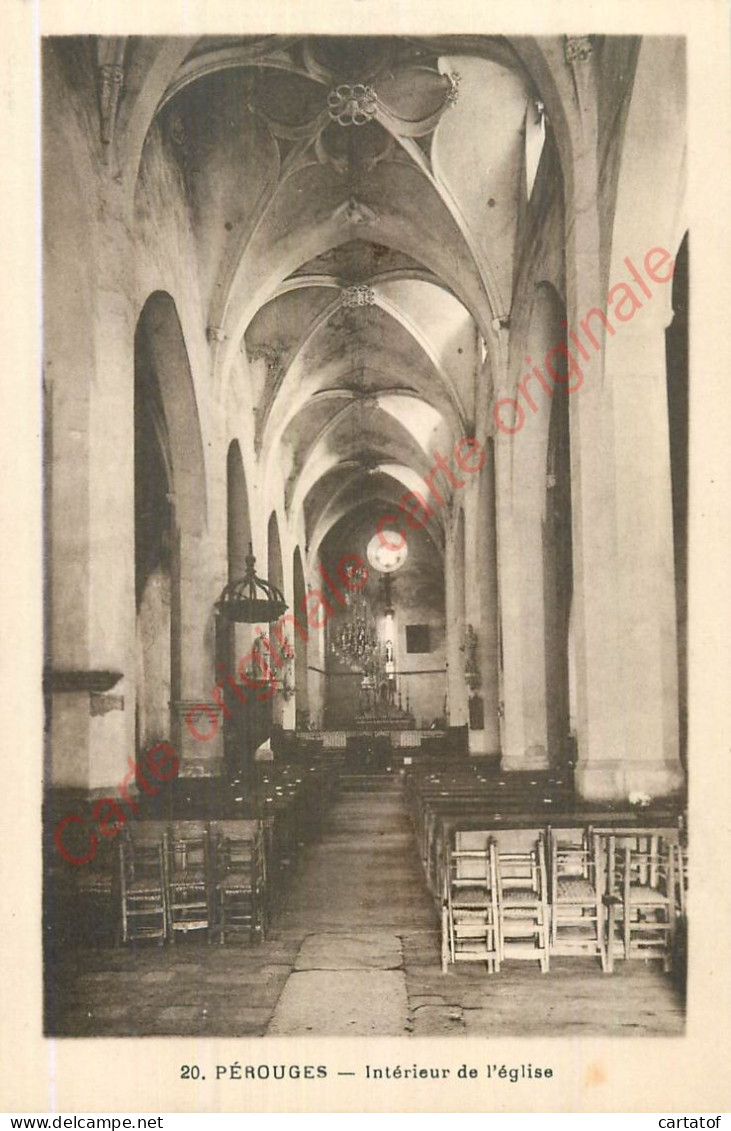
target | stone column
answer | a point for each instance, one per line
(317, 662)
(625, 618)
(454, 576)
(520, 557)
(196, 680)
(522, 415)
(111, 501)
(637, 748)
(91, 476)
(596, 605)
(482, 602)
(622, 536)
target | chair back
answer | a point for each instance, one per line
(147, 832)
(238, 847)
(521, 861)
(571, 855)
(142, 853)
(472, 861)
(614, 847)
(188, 846)
(650, 866)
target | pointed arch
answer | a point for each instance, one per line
(170, 513)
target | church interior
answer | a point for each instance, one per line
(365, 386)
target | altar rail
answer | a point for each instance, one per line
(399, 739)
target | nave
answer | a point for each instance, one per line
(353, 949)
(366, 401)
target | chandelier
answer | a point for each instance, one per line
(355, 641)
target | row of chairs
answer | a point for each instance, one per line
(182, 876)
(292, 800)
(530, 893)
(286, 801)
(440, 800)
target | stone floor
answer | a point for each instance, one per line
(354, 950)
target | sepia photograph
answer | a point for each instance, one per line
(366, 599)
(365, 409)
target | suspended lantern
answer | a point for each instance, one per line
(251, 600)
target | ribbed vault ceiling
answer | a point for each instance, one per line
(354, 204)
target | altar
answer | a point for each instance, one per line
(389, 717)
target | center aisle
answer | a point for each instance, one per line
(361, 898)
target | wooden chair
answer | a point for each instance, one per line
(96, 897)
(189, 878)
(577, 910)
(240, 878)
(143, 882)
(523, 910)
(649, 900)
(681, 876)
(640, 894)
(470, 908)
